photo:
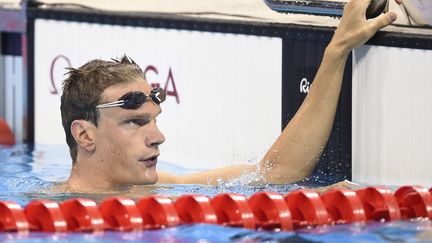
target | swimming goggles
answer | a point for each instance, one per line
(133, 100)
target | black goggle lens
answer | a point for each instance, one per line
(158, 95)
(134, 100)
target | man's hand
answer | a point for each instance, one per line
(354, 29)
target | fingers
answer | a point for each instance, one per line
(383, 20)
(398, 1)
(364, 3)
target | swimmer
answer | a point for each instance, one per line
(109, 114)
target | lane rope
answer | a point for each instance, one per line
(262, 210)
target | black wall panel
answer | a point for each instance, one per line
(301, 60)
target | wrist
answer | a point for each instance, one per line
(336, 51)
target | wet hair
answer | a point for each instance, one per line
(83, 88)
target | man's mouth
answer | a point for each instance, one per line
(150, 162)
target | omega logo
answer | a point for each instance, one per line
(55, 62)
(304, 86)
(60, 62)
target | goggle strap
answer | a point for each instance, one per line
(111, 104)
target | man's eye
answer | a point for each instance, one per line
(138, 122)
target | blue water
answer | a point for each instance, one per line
(27, 172)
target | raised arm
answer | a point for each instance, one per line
(294, 154)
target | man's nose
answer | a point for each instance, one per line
(155, 136)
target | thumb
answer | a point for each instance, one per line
(383, 20)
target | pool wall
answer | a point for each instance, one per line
(233, 68)
(391, 123)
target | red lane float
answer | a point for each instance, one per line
(12, 217)
(414, 202)
(195, 209)
(45, 215)
(379, 204)
(233, 210)
(263, 210)
(271, 211)
(121, 214)
(158, 212)
(6, 135)
(344, 206)
(82, 215)
(307, 208)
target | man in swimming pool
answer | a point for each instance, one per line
(109, 115)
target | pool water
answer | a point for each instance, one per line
(27, 173)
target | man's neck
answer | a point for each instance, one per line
(88, 178)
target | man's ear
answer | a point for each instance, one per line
(84, 133)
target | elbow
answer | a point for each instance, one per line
(279, 174)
